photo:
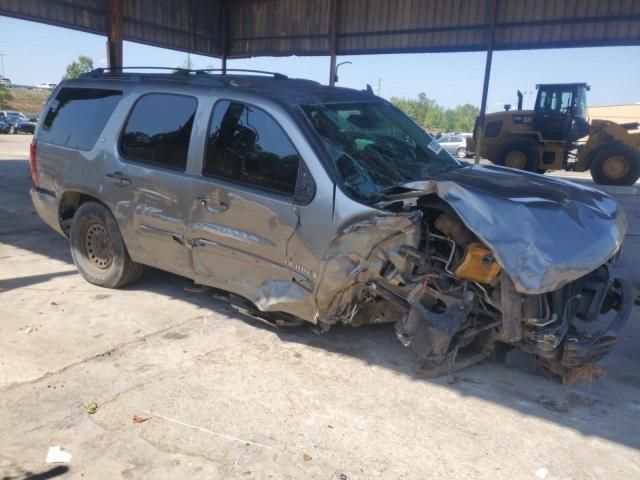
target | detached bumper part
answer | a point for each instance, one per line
(589, 348)
(583, 322)
(589, 318)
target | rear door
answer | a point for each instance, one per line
(147, 182)
(242, 211)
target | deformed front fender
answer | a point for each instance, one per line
(358, 255)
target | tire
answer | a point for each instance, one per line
(98, 250)
(461, 152)
(615, 164)
(524, 152)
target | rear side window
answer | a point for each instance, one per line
(77, 116)
(247, 146)
(158, 130)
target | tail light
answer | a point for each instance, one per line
(32, 163)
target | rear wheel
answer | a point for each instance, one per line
(616, 164)
(98, 250)
(520, 155)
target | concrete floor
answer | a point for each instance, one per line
(226, 397)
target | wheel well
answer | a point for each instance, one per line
(69, 204)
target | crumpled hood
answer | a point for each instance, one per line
(544, 232)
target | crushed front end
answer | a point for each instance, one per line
(460, 274)
(464, 307)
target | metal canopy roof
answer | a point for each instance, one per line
(245, 28)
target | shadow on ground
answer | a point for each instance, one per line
(51, 473)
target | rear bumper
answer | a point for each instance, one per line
(46, 205)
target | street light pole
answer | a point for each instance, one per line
(335, 71)
(2, 54)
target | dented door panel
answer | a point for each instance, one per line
(153, 212)
(239, 241)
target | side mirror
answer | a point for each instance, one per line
(507, 107)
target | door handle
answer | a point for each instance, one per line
(118, 178)
(218, 208)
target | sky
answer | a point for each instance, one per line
(36, 53)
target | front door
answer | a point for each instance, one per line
(242, 211)
(147, 183)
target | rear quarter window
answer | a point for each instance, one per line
(77, 116)
(158, 130)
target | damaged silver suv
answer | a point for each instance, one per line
(324, 205)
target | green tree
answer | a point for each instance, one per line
(427, 113)
(465, 117)
(5, 96)
(450, 121)
(76, 68)
(418, 109)
(434, 119)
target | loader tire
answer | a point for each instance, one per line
(520, 155)
(616, 164)
(98, 249)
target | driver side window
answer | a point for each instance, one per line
(245, 145)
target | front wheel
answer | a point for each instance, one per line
(616, 164)
(98, 250)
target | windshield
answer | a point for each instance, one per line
(375, 146)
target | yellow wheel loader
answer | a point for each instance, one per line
(557, 135)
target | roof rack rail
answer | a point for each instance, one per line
(277, 75)
(116, 70)
(179, 71)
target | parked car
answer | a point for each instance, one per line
(454, 144)
(19, 123)
(308, 203)
(11, 113)
(4, 127)
(12, 121)
(33, 118)
(46, 86)
(25, 127)
(5, 81)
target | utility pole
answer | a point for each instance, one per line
(2, 54)
(378, 93)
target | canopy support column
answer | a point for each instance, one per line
(115, 18)
(333, 36)
(485, 85)
(224, 36)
